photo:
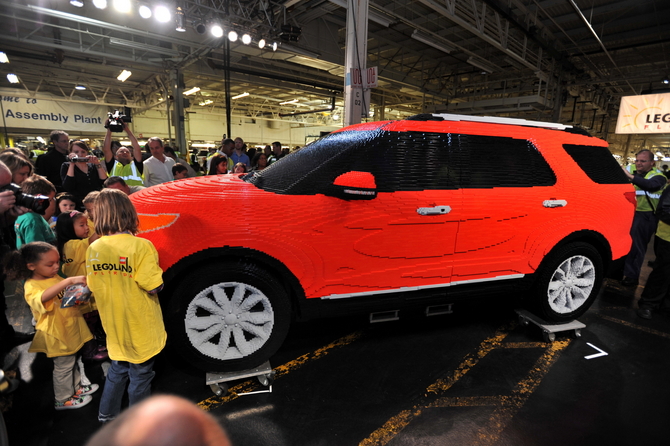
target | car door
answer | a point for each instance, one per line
(397, 232)
(507, 193)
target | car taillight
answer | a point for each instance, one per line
(631, 197)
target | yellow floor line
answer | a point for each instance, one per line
(252, 385)
(397, 423)
(635, 326)
(523, 390)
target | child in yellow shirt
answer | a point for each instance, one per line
(123, 272)
(72, 237)
(60, 332)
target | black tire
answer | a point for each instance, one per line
(568, 282)
(228, 317)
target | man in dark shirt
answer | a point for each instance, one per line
(49, 164)
(649, 182)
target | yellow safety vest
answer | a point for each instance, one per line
(641, 195)
(128, 172)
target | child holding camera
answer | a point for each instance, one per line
(83, 173)
(31, 226)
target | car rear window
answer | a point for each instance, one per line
(598, 163)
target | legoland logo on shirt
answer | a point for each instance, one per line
(122, 266)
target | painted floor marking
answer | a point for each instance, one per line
(397, 423)
(635, 326)
(505, 406)
(253, 385)
(595, 355)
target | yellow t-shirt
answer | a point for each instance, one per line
(74, 264)
(59, 331)
(91, 228)
(120, 269)
(74, 254)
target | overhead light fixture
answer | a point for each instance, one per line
(292, 101)
(100, 4)
(77, 3)
(122, 5)
(145, 11)
(125, 74)
(3, 57)
(216, 30)
(162, 13)
(179, 18)
(12, 78)
(430, 41)
(200, 27)
(476, 63)
(79, 87)
(232, 36)
(372, 15)
(206, 102)
(191, 91)
(246, 39)
(241, 95)
(274, 46)
(261, 43)
(665, 79)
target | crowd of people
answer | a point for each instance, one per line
(65, 222)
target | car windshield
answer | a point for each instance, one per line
(285, 173)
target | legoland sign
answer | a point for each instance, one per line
(648, 113)
(46, 112)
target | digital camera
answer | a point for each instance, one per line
(36, 203)
(116, 120)
(79, 159)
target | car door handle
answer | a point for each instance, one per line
(437, 210)
(554, 203)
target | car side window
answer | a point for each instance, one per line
(406, 161)
(493, 161)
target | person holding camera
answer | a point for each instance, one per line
(122, 163)
(83, 173)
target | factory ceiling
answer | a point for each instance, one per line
(549, 60)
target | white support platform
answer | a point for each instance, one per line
(218, 381)
(549, 329)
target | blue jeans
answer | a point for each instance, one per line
(140, 376)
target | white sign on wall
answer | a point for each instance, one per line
(648, 113)
(45, 112)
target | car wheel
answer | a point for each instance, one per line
(228, 317)
(568, 282)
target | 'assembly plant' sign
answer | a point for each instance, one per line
(46, 112)
(648, 113)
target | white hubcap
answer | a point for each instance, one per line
(229, 320)
(571, 284)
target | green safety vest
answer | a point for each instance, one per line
(128, 172)
(641, 195)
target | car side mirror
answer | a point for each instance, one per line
(355, 185)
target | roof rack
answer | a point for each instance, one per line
(490, 119)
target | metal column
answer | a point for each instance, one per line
(356, 57)
(178, 121)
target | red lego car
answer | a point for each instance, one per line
(383, 216)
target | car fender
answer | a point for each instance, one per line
(185, 266)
